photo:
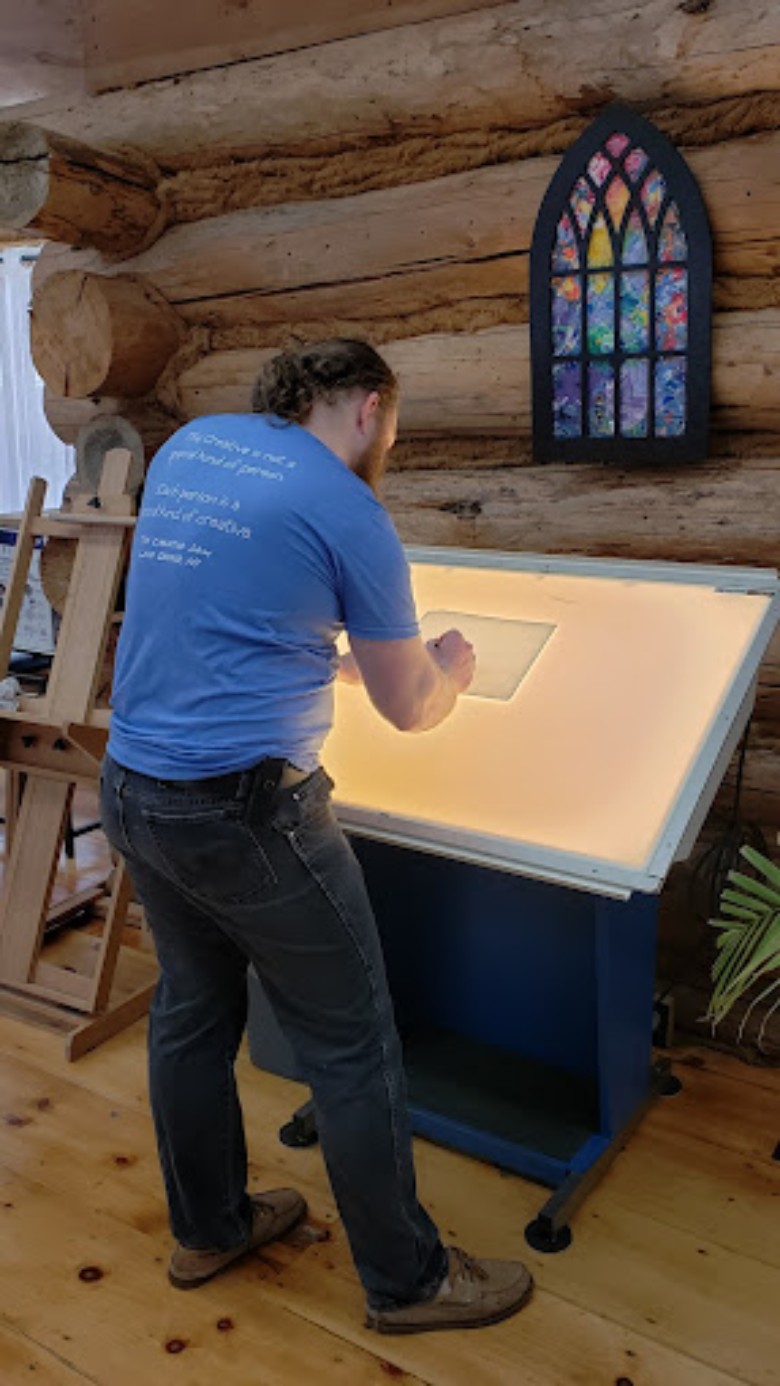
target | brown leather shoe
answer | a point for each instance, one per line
(274, 1213)
(474, 1294)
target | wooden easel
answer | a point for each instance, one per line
(87, 986)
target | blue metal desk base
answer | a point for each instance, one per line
(526, 1013)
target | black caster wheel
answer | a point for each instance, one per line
(670, 1086)
(541, 1237)
(298, 1133)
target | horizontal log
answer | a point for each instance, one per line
(768, 693)
(54, 187)
(758, 805)
(462, 382)
(41, 56)
(454, 452)
(727, 512)
(339, 241)
(14, 238)
(464, 297)
(299, 174)
(91, 334)
(68, 417)
(768, 701)
(773, 653)
(465, 400)
(422, 77)
(746, 370)
(760, 796)
(480, 382)
(444, 298)
(426, 450)
(447, 222)
(131, 44)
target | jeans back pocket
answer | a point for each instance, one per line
(210, 853)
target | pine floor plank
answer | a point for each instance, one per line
(724, 1111)
(716, 1306)
(676, 1284)
(79, 1145)
(128, 1326)
(714, 1193)
(26, 1363)
(683, 1291)
(287, 1324)
(551, 1343)
(765, 1076)
(116, 1069)
(672, 1280)
(89, 1149)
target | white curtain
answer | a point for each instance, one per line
(28, 447)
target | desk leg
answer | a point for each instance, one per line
(550, 1230)
(625, 946)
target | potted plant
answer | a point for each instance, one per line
(749, 942)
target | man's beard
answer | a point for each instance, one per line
(372, 464)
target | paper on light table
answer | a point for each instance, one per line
(505, 650)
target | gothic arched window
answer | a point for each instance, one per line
(621, 289)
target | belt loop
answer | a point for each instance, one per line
(264, 782)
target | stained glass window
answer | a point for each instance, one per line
(621, 300)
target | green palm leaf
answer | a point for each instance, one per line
(748, 946)
(762, 996)
(764, 958)
(731, 961)
(739, 911)
(740, 897)
(755, 888)
(764, 865)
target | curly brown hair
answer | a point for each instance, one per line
(290, 384)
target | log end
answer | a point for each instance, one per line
(70, 335)
(92, 335)
(66, 191)
(24, 185)
(96, 439)
(67, 417)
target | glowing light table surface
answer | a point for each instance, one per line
(592, 769)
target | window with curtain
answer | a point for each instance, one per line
(28, 447)
(621, 275)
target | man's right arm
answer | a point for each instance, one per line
(412, 685)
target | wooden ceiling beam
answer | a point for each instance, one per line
(140, 40)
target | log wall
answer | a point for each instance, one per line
(522, 65)
(386, 184)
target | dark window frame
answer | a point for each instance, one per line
(681, 188)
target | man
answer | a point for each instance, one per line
(259, 540)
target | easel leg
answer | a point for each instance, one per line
(112, 937)
(14, 784)
(105, 1026)
(30, 875)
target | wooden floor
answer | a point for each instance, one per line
(673, 1278)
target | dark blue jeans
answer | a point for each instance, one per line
(225, 883)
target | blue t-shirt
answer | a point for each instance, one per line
(254, 548)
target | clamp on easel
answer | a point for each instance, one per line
(89, 987)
